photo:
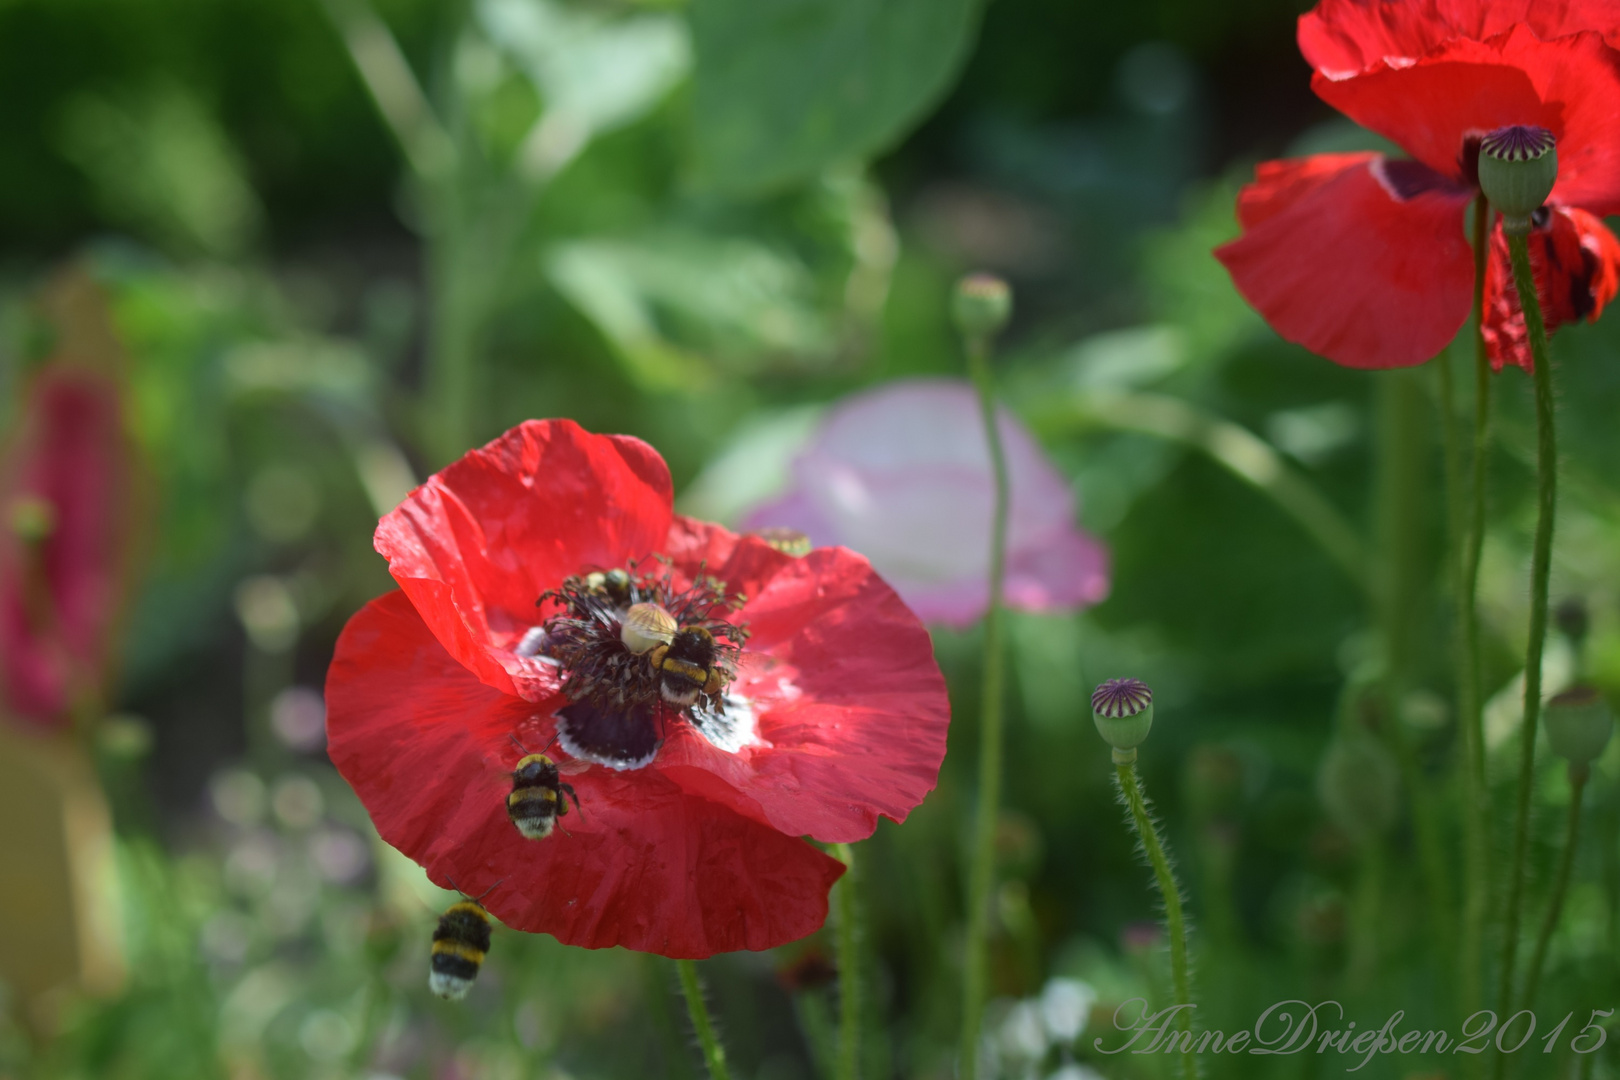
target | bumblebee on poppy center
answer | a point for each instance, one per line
(636, 651)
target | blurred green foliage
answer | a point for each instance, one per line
(343, 244)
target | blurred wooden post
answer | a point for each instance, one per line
(59, 910)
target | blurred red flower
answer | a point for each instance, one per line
(1363, 258)
(67, 498)
(836, 713)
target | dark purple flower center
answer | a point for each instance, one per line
(1117, 698)
(1517, 142)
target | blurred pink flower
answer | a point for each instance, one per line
(902, 475)
(66, 497)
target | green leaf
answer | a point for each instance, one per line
(784, 88)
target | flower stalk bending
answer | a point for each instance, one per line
(982, 306)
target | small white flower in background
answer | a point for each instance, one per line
(1021, 1035)
(1065, 1007)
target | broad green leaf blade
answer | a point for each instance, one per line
(784, 88)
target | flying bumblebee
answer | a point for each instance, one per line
(537, 797)
(460, 943)
(688, 666)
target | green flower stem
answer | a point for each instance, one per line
(1402, 501)
(1181, 984)
(1467, 523)
(713, 1052)
(1578, 775)
(849, 970)
(983, 871)
(1540, 570)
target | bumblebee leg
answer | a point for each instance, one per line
(569, 788)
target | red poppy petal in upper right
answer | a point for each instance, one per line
(1359, 259)
(476, 545)
(1570, 86)
(1342, 37)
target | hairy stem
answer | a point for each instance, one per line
(983, 871)
(1540, 571)
(1180, 981)
(713, 1052)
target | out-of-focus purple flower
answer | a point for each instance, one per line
(902, 475)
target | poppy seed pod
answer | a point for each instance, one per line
(981, 306)
(1518, 166)
(1578, 724)
(1122, 709)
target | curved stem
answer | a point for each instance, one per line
(1468, 529)
(1540, 571)
(849, 971)
(1578, 775)
(1181, 983)
(713, 1052)
(984, 832)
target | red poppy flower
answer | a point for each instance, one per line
(66, 501)
(1363, 258)
(687, 840)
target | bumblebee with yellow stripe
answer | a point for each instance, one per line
(460, 943)
(537, 797)
(688, 666)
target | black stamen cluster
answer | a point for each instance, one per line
(584, 637)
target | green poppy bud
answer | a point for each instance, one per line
(1518, 166)
(1359, 785)
(981, 306)
(1122, 709)
(1578, 724)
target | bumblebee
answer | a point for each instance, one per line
(460, 943)
(537, 797)
(688, 666)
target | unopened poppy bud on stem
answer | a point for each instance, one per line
(981, 306)
(1518, 166)
(1578, 724)
(1122, 709)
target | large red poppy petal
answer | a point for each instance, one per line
(1341, 37)
(1338, 259)
(850, 708)
(1430, 107)
(1576, 262)
(428, 748)
(476, 545)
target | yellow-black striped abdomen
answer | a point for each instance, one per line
(460, 943)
